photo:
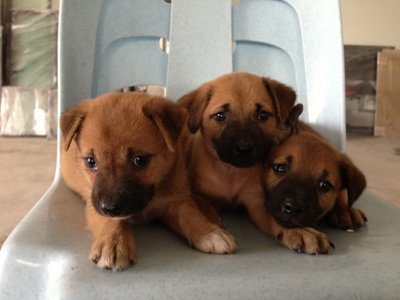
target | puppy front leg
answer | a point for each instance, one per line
(114, 244)
(208, 210)
(304, 239)
(185, 218)
(344, 217)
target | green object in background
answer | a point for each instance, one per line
(30, 4)
(32, 55)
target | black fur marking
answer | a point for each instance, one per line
(120, 199)
(293, 202)
(242, 145)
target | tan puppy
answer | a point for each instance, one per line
(120, 153)
(235, 120)
(306, 179)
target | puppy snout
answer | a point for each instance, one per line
(111, 209)
(245, 149)
(290, 207)
(120, 199)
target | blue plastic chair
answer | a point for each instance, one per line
(112, 44)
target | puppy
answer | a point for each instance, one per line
(306, 179)
(121, 154)
(234, 120)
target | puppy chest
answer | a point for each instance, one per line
(220, 186)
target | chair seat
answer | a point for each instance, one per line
(107, 45)
(363, 265)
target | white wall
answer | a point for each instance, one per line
(371, 22)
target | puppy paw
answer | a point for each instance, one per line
(116, 252)
(347, 219)
(307, 240)
(217, 241)
(358, 217)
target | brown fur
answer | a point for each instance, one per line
(310, 159)
(114, 129)
(218, 184)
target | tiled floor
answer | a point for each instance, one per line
(379, 159)
(27, 168)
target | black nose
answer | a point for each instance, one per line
(111, 208)
(289, 207)
(244, 149)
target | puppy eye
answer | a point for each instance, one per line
(91, 163)
(263, 116)
(280, 169)
(220, 116)
(141, 161)
(325, 186)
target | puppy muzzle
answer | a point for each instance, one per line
(123, 201)
(293, 202)
(241, 146)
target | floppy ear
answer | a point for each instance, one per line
(283, 98)
(70, 123)
(292, 120)
(195, 104)
(169, 119)
(343, 215)
(353, 180)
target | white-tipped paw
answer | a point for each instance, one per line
(218, 241)
(305, 240)
(117, 252)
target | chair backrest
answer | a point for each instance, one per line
(300, 44)
(106, 45)
(111, 44)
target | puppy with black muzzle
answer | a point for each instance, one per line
(234, 120)
(307, 180)
(121, 153)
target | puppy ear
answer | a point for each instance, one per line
(70, 123)
(353, 180)
(195, 104)
(292, 120)
(169, 119)
(283, 98)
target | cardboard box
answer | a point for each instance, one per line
(360, 72)
(387, 120)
